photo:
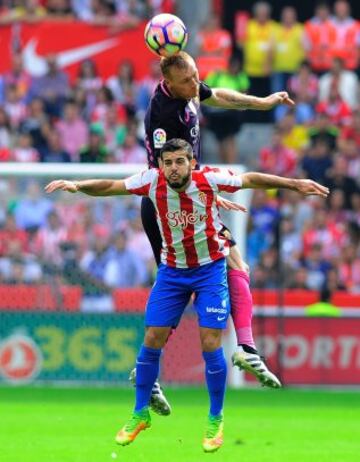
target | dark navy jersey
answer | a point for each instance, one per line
(168, 117)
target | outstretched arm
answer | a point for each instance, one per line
(255, 180)
(230, 99)
(90, 187)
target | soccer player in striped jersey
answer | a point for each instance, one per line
(193, 260)
(173, 113)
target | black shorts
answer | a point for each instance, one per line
(151, 228)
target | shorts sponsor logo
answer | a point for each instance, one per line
(20, 359)
(184, 219)
(212, 309)
(159, 137)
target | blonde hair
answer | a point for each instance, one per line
(180, 60)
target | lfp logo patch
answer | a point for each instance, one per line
(20, 359)
(159, 137)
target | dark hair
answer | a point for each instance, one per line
(179, 60)
(177, 144)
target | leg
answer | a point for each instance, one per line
(147, 369)
(212, 306)
(240, 299)
(246, 357)
(165, 306)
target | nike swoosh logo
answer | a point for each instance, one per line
(36, 65)
(221, 318)
(215, 372)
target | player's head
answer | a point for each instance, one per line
(181, 75)
(177, 161)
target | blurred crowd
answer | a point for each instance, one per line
(296, 242)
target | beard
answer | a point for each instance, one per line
(179, 183)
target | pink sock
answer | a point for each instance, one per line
(241, 306)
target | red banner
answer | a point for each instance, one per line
(311, 350)
(74, 42)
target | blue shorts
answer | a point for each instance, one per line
(172, 291)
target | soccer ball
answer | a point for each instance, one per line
(165, 34)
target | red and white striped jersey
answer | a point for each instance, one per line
(189, 221)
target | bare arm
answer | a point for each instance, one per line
(230, 99)
(255, 180)
(90, 187)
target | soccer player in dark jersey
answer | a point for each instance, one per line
(173, 113)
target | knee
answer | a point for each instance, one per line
(155, 337)
(211, 343)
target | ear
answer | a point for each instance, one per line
(193, 163)
(161, 165)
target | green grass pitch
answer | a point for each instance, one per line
(78, 425)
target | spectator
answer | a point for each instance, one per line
(49, 238)
(59, 9)
(226, 123)
(52, 88)
(258, 51)
(54, 151)
(73, 130)
(31, 211)
(264, 215)
(347, 35)
(303, 85)
(288, 50)
(83, 9)
(19, 268)
(346, 83)
(337, 178)
(88, 82)
(316, 267)
(96, 150)
(24, 150)
(350, 132)
(14, 106)
(317, 162)
(146, 88)
(30, 11)
(104, 101)
(36, 123)
(349, 268)
(298, 279)
(9, 233)
(323, 130)
(294, 206)
(18, 77)
(96, 293)
(122, 85)
(351, 154)
(5, 130)
(214, 47)
(320, 36)
(337, 110)
(114, 130)
(131, 152)
(124, 268)
(290, 243)
(294, 136)
(276, 158)
(336, 206)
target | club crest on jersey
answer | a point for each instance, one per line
(184, 219)
(159, 137)
(203, 197)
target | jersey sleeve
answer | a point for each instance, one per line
(140, 183)
(204, 91)
(223, 180)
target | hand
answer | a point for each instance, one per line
(63, 185)
(311, 188)
(281, 97)
(229, 205)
